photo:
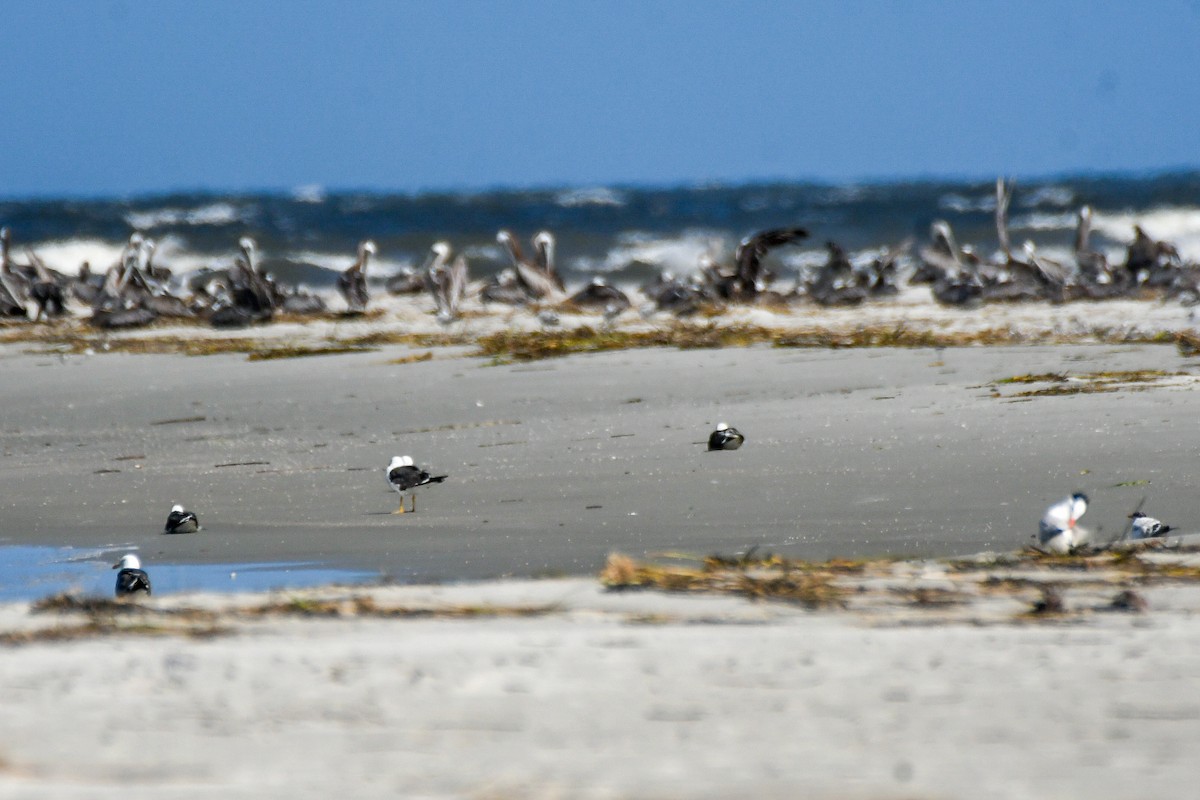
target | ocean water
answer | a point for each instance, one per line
(627, 234)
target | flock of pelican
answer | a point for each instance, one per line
(959, 276)
(136, 291)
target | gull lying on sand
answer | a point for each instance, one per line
(725, 438)
(132, 579)
(180, 521)
(1146, 527)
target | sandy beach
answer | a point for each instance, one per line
(554, 464)
(557, 688)
(560, 689)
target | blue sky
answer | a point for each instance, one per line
(122, 97)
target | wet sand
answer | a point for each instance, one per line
(556, 463)
(553, 465)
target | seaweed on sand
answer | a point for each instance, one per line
(766, 578)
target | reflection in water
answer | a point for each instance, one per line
(30, 573)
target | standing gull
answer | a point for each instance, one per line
(180, 521)
(132, 579)
(1058, 532)
(403, 477)
(725, 438)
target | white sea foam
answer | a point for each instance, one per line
(339, 262)
(962, 204)
(681, 254)
(597, 196)
(1043, 221)
(1053, 196)
(1178, 225)
(212, 214)
(67, 255)
(309, 193)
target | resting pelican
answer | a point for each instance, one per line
(538, 283)
(353, 282)
(447, 284)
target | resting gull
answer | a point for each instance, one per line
(132, 579)
(1144, 527)
(725, 438)
(180, 521)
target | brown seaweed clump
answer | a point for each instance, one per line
(766, 578)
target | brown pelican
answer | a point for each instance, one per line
(1028, 278)
(409, 280)
(941, 257)
(753, 248)
(1092, 264)
(353, 282)
(504, 287)
(13, 287)
(158, 274)
(942, 265)
(599, 295)
(1096, 279)
(884, 272)
(1004, 191)
(10, 299)
(20, 275)
(1149, 261)
(544, 244)
(119, 303)
(85, 287)
(249, 297)
(669, 293)
(447, 283)
(837, 283)
(535, 278)
(46, 289)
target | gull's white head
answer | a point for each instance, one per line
(721, 426)
(176, 509)
(400, 461)
(128, 561)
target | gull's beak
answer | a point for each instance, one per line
(114, 566)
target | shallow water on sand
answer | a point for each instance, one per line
(30, 573)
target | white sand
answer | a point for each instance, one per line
(629, 695)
